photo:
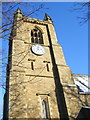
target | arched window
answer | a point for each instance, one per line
(36, 36)
(44, 109)
(32, 40)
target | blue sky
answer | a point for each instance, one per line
(71, 36)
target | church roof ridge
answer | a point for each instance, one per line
(79, 75)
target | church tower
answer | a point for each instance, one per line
(36, 72)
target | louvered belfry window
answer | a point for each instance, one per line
(36, 36)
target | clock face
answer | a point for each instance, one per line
(38, 49)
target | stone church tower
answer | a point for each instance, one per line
(37, 74)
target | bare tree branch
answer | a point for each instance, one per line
(84, 9)
(8, 9)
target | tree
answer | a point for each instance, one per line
(84, 9)
(8, 9)
(7, 15)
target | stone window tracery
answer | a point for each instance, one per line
(36, 36)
